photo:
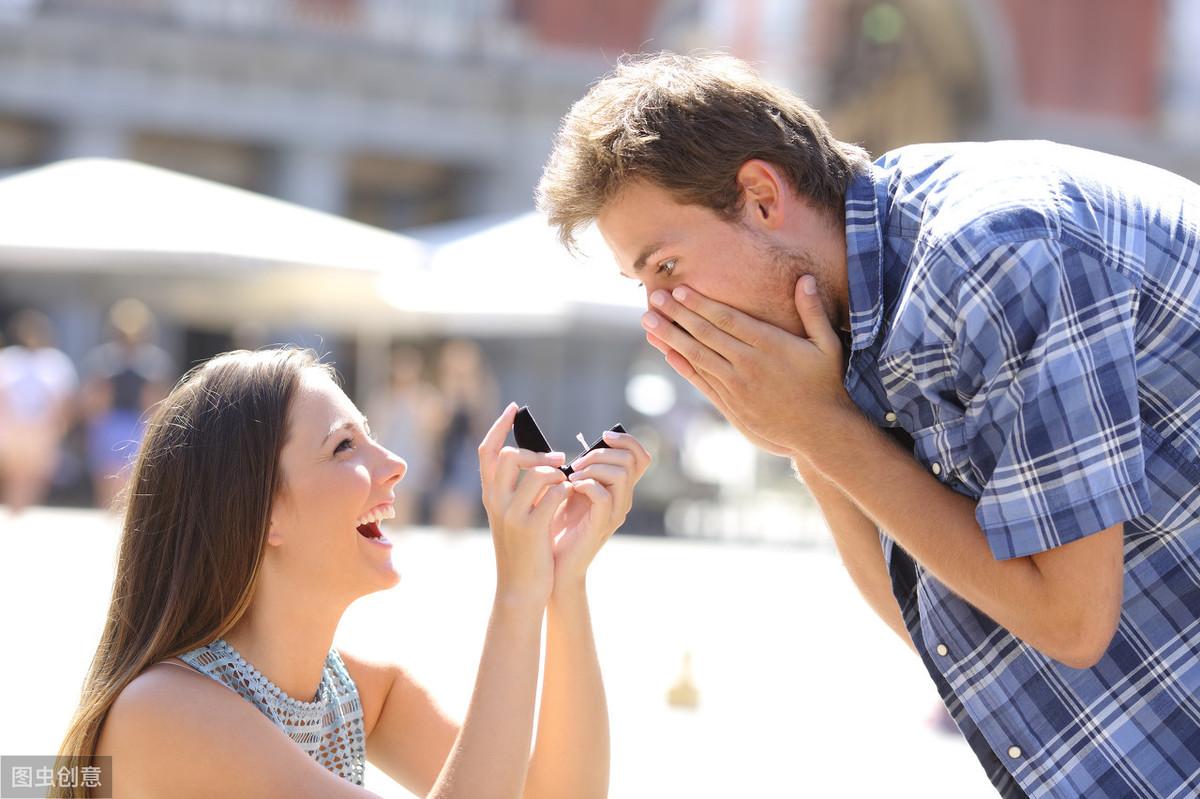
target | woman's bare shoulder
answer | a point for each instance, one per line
(174, 731)
(169, 686)
(156, 709)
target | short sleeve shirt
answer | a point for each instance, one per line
(1027, 316)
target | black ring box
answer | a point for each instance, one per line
(529, 436)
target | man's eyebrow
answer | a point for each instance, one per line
(347, 425)
(640, 263)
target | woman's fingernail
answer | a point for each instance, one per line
(650, 320)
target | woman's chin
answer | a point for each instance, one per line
(385, 578)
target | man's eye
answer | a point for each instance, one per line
(667, 267)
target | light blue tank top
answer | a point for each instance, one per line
(329, 728)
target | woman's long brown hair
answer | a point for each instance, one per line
(197, 512)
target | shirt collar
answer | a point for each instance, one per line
(866, 195)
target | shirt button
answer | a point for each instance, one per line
(1014, 752)
(889, 417)
(936, 468)
(943, 650)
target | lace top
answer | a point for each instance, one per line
(329, 728)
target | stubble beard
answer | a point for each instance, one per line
(787, 267)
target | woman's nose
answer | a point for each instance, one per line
(395, 467)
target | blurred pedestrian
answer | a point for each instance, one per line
(468, 393)
(405, 418)
(123, 378)
(37, 386)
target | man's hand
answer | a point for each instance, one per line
(779, 390)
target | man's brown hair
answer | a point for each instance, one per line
(687, 124)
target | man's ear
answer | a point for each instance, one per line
(764, 193)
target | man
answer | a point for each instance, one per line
(983, 360)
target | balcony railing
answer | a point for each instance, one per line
(449, 26)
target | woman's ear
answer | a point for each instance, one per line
(764, 193)
(274, 537)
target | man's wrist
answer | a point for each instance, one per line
(824, 437)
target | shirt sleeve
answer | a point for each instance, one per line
(1044, 342)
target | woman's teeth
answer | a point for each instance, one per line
(376, 515)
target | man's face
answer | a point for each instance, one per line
(663, 244)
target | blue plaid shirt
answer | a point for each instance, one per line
(1026, 316)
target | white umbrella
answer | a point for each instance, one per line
(514, 274)
(212, 251)
(85, 207)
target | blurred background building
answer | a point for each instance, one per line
(432, 118)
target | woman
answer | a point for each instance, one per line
(252, 523)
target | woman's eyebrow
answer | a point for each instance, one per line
(347, 425)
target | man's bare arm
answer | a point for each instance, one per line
(857, 540)
(1065, 602)
(789, 390)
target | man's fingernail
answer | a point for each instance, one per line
(658, 297)
(650, 320)
(810, 284)
(680, 294)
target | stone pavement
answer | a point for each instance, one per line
(802, 691)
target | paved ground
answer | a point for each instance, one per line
(803, 693)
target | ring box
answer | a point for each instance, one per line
(529, 436)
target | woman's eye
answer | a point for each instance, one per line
(343, 444)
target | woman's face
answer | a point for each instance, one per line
(334, 477)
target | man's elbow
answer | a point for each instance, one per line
(1086, 642)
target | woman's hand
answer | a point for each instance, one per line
(522, 491)
(603, 482)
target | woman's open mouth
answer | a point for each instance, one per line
(368, 523)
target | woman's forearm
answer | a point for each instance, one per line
(571, 757)
(490, 758)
